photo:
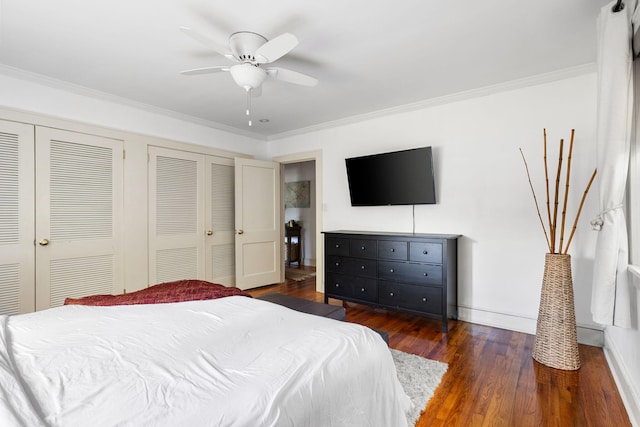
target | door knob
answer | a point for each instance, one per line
(240, 231)
(43, 242)
(209, 232)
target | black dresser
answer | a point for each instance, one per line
(415, 273)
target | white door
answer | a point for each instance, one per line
(78, 220)
(219, 209)
(17, 261)
(176, 215)
(258, 223)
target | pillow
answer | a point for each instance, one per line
(180, 290)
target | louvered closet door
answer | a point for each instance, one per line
(176, 215)
(17, 281)
(79, 181)
(219, 212)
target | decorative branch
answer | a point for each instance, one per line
(546, 177)
(575, 223)
(555, 202)
(551, 234)
(566, 190)
(535, 199)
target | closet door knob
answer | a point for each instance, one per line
(43, 242)
(209, 232)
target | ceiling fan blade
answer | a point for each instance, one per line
(292, 76)
(276, 48)
(211, 44)
(205, 70)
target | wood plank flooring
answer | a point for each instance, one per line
(492, 379)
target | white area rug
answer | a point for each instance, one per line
(420, 377)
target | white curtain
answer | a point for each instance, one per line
(610, 304)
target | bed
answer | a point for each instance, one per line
(229, 361)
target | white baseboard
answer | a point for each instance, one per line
(628, 391)
(586, 334)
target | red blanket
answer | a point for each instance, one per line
(180, 290)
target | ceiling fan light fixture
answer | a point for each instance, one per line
(248, 76)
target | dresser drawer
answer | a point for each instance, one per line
(337, 246)
(362, 267)
(389, 249)
(337, 264)
(364, 248)
(425, 299)
(425, 252)
(338, 285)
(410, 272)
(365, 289)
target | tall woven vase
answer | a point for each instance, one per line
(556, 343)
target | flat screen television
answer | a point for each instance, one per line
(395, 178)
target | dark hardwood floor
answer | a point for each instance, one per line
(492, 379)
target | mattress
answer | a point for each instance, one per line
(233, 361)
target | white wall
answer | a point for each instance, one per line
(482, 189)
(304, 171)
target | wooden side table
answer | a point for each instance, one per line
(293, 237)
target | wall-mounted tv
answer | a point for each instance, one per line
(396, 178)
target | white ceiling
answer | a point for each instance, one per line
(369, 55)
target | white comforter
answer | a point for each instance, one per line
(233, 361)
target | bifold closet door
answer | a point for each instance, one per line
(176, 215)
(17, 261)
(219, 210)
(191, 217)
(79, 196)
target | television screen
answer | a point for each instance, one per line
(397, 178)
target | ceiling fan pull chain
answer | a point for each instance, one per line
(248, 89)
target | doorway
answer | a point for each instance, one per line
(299, 169)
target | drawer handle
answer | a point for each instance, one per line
(362, 267)
(337, 285)
(425, 274)
(424, 300)
(391, 270)
(362, 289)
(363, 248)
(337, 245)
(390, 294)
(393, 249)
(337, 264)
(425, 252)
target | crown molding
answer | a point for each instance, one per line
(53, 83)
(447, 99)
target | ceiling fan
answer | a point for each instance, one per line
(251, 52)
